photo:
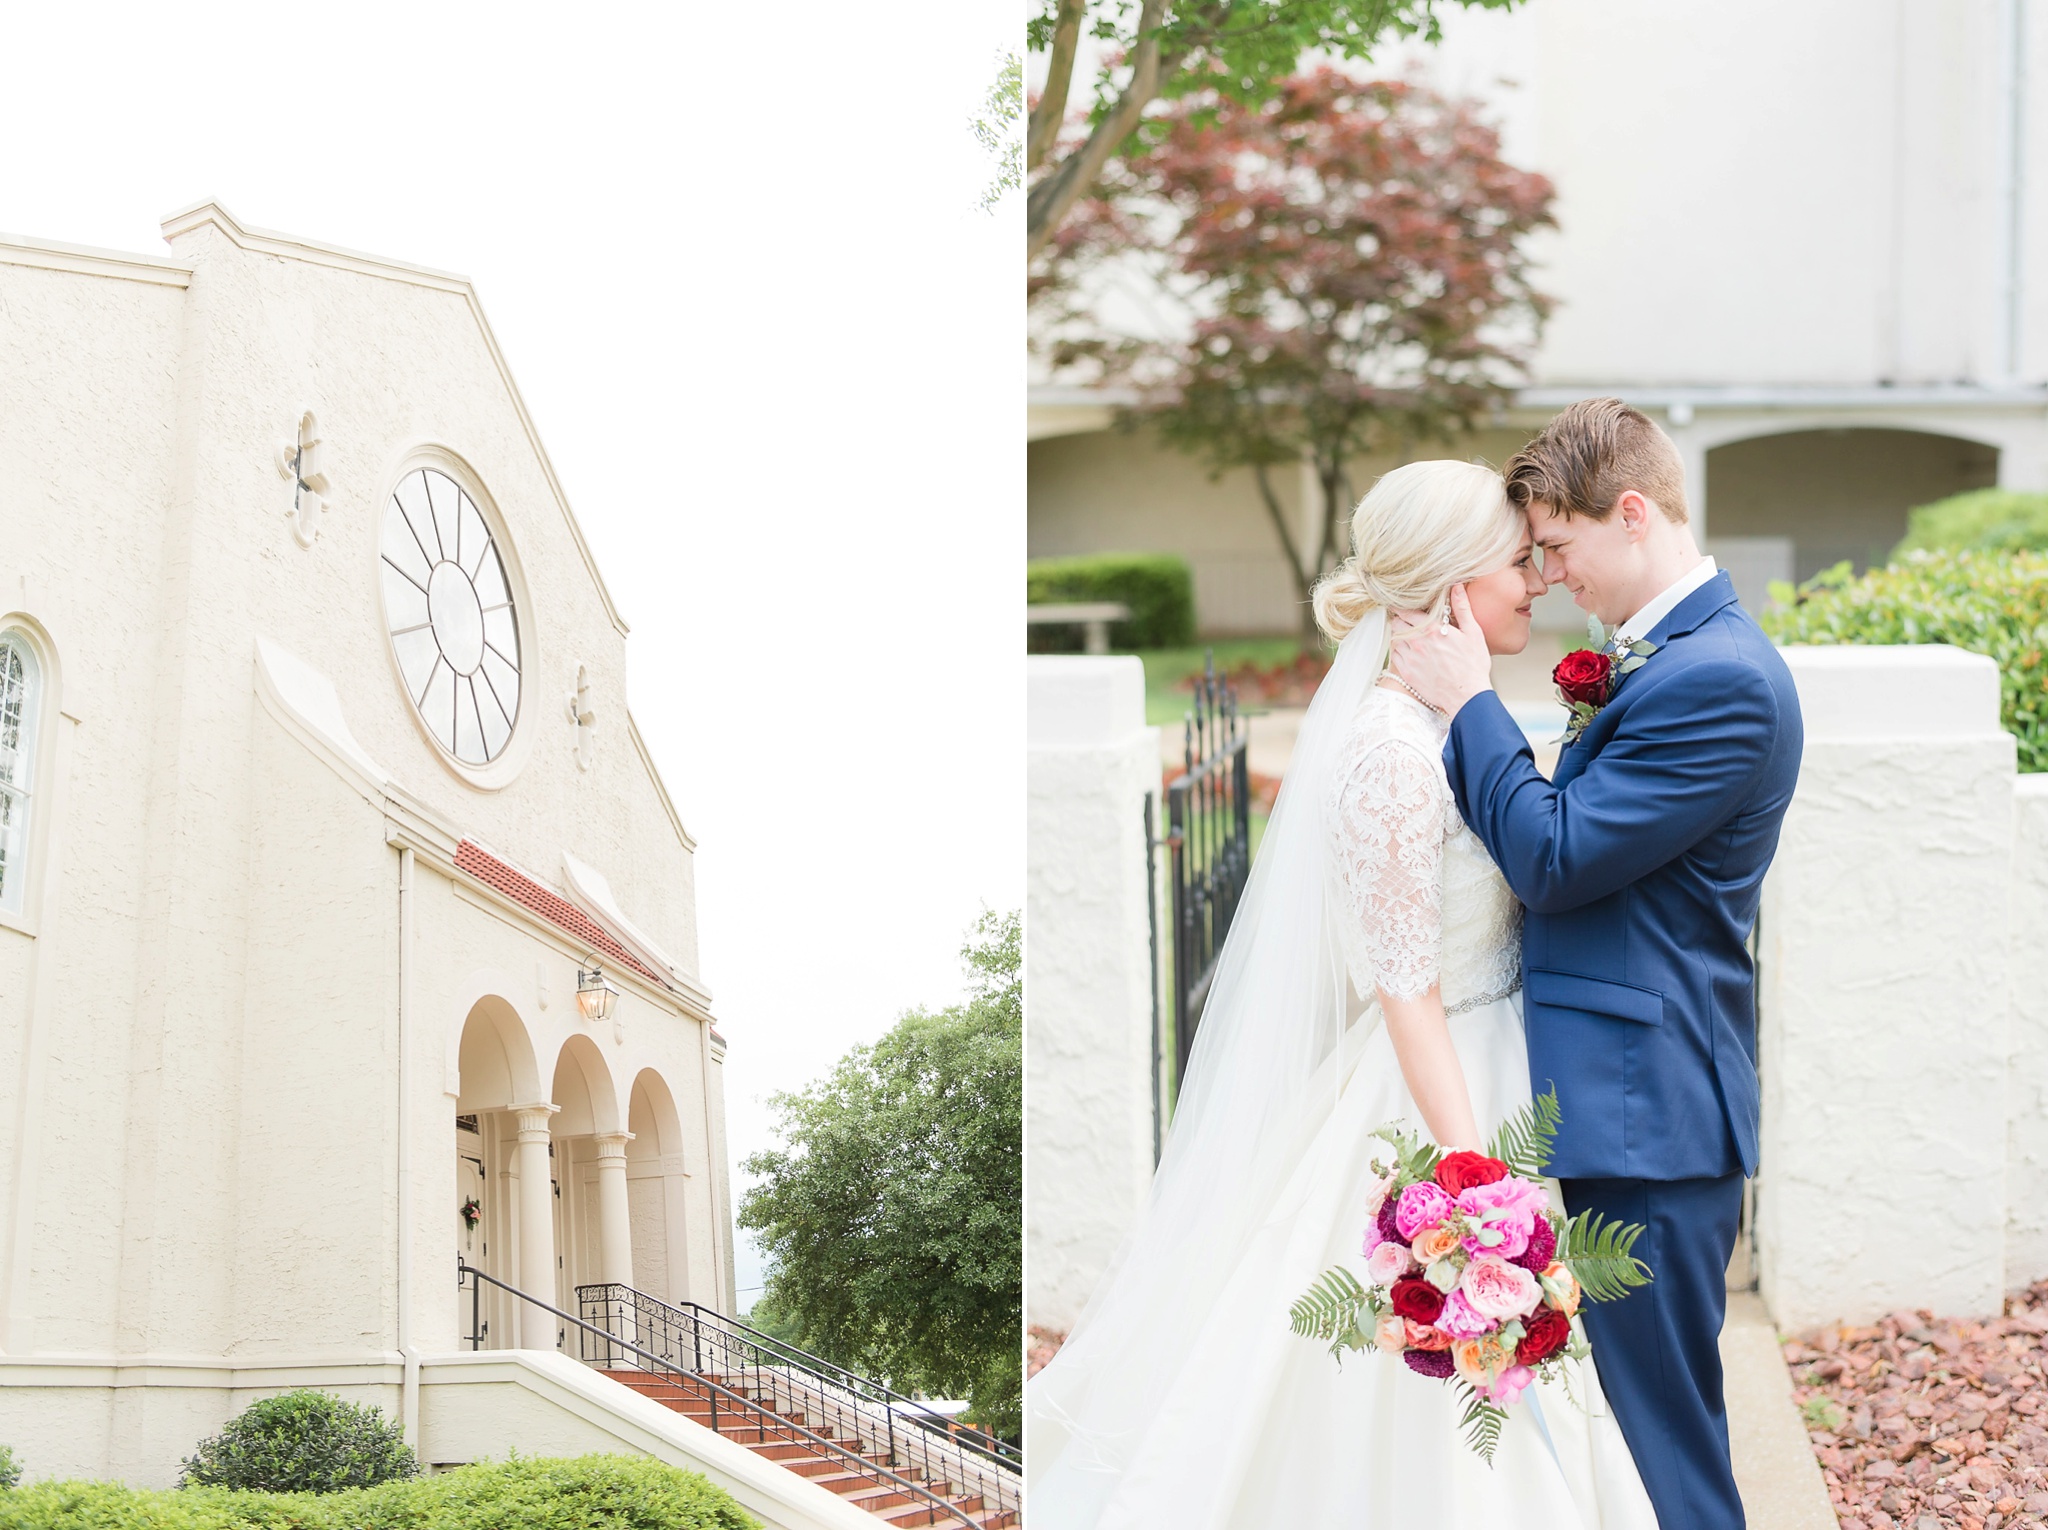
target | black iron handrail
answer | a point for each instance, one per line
(910, 1435)
(993, 1446)
(861, 1465)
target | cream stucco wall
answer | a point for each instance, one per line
(232, 1131)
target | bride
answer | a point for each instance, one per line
(1372, 973)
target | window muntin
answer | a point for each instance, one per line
(20, 684)
(450, 615)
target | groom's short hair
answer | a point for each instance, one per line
(1590, 455)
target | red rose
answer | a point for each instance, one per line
(1459, 1172)
(1546, 1332)
(1416, 1298)
(1583, 676)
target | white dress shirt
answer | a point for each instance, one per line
(1645, 621)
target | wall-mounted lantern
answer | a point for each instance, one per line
(595, 994)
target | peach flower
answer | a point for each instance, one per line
(1432, 1243)
(1560, 1289)
(1392, 1334)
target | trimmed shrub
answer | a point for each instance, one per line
(10, 1468)
(587, 1493)
(1984, 520)
(302, 1442)
(1156, 586)
(1987, 602)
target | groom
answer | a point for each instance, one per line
(1641, 864)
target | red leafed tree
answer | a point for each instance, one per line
(1347, 261)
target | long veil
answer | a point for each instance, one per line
(1276, 1013)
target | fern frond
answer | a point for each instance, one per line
(1331, 1310)
(1481, 1423)
(1600, 1256)
(1525, 1139)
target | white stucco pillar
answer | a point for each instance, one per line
(1088, 968)
(614, 1224)
(536, 1224)
(1885, 994)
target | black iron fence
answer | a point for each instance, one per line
(1209, 848)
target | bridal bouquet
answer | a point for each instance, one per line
(1471, 1277)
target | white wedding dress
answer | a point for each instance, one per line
(1211, 1413)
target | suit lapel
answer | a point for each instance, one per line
(1685, 617)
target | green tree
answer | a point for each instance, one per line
(892, 1215)
(999, 130)
(1351, 260)
(1162, 50)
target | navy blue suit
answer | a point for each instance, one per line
(1641, 865)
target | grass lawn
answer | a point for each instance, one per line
(1167, 670)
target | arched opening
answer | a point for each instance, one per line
(496, 1071)
(1804, 500)
(589, 1114)
(657, 1193)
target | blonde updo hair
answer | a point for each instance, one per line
(1417, 532)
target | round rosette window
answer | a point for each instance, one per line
(452, 623)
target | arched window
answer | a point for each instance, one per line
(20, 697)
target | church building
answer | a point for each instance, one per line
(346, 928)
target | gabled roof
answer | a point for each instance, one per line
(530, 893)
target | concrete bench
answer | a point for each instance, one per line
(1093, 618)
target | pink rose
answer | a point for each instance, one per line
(1373, 1238)
(1421, 1206)
(1461, 1320)
(1497, 1290)
(1381, 1189)
(1388, 1263)
(1511, 1208)
(1507, 1388)
(1391, 1334)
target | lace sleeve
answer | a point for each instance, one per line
(1390, 826)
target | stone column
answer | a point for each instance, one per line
(1885, 993)
(1090, 1110)
(536, 1224)
(614, 1226)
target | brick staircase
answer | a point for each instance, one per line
(776, 1428)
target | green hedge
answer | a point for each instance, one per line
(588, 1493)
(1987, 602)
(302, 1441)
(1156, 586)
(1984, 520)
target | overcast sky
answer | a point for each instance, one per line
(734, 258)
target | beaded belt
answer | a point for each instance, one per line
(1478, 1000)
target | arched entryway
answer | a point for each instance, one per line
(590, 1169)
(1809, 499)
(502, 1224)
(655, 1187)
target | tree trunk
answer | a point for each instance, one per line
(1051, 110)
(1304, 579)
(1054, 197)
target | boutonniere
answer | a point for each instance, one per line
(1586, 678)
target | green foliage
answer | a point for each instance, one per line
(10, 1468)
(302, 1442)
(1599, 1255)
(891, 1218)
(1983, 520)
(1156, 586)
(588, 1493)
(1821, 1413)
(1415, 1156)
(1987, 602)
(1338, 1310)
(1245, 47)
(1481, 1423)
(1525, 1139)
(999, 129)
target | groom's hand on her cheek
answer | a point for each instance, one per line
(1447, 665)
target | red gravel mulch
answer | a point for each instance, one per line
(1045, 1343)
(1925, 1423)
